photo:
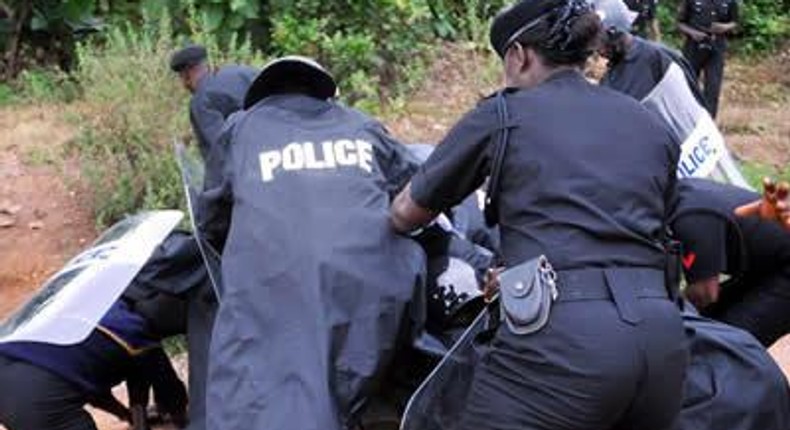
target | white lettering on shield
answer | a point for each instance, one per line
(310, 156)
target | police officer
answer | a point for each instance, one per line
(612, 353)
(216, 94)
(635, 65)
(646, 24)
(315, 282)
(46, 386)
(753, 253)
(706, 25)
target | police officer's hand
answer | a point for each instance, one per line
(773, 206)
(698, 36)
(491, 284)
(703, 293)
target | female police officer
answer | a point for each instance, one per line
(585, 181)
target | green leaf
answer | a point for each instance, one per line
(39, 23)
(213, 15)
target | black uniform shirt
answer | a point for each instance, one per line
(584, 177)
(716, 242)
(643, 67)
(701, 14)
(645, 8)
(218, 95)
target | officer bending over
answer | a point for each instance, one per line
(753, 253)
(706, 25)
(612, 354)
(315, 281)
(636, 66)
(216, 94)
(46, 386)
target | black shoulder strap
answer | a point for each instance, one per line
(491, 209)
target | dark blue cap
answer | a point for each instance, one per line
(187, 57)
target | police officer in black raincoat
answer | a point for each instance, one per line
(586, 180)
(753, 253)
(315, 281)
(216, 94)
(706, 25)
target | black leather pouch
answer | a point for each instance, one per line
(526, 293)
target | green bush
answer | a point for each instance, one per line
(763, 24)
(371, 46)
(135, 107)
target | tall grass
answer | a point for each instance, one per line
(133, 107)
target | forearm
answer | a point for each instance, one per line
(724, 27)
(691, 31)
(406, 215)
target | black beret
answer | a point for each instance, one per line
(513, 21)
(293, 69)
(187, 57)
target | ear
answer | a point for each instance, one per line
(515, 59)
(530, 59)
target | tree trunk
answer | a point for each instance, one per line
(20, 17)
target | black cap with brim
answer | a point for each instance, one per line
(291, 71)
(187, 57)
(516, 20)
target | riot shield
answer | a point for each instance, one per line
(704, 153)
(438, 402)
(70, 304)
(192, 175)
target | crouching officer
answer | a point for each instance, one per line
(46, 386)
(754, 253)
(315, 282)
(612, 353)
(216, 94)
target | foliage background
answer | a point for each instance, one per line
(110, 57)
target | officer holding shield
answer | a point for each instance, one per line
(216, 94)
(611, 354)
(315, 282)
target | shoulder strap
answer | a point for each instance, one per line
(491, 209)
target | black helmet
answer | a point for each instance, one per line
(292, 69)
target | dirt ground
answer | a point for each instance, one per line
(46, 214)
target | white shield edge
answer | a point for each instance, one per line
(704, 152)
(192, 177)
(73, 311)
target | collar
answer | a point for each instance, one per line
(296, 102)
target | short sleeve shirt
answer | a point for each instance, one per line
(562, 195)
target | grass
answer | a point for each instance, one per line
(755, 172)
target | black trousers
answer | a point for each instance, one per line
(32, 398)
(759, 305)
(707, 62)
(605, 364)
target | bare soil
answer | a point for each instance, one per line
(50, 209)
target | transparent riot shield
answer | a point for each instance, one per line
(704, 153)
(192, 175)
(439, 400)
(70, 304)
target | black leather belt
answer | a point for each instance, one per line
(604, 284)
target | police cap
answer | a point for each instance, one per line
(517, 19)
(187, 57)
(292, 71)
